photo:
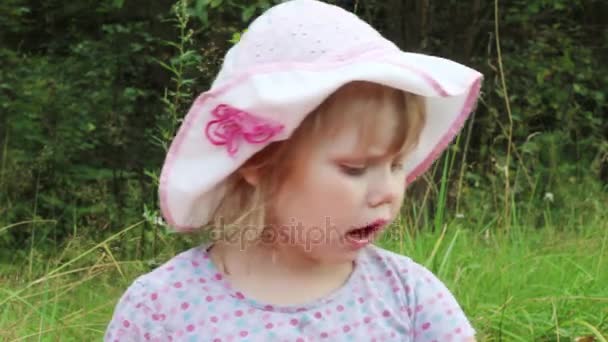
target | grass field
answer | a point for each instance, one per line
(527, 285)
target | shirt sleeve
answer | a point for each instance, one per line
(133, 317)
(435, 314)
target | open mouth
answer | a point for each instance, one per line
(366, 233)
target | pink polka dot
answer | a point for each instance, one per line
(268, 307)
(202, 280)
(190, 328)
(244, 333)
(396, 289)
(209, 299)
(300, 339)
(126, 323)
(389, 273)
(147, 336)
(426, 326)
(293, 322)
(185, 306)
(269, 326)
(155, 317)
(324, 335)
(449, 312)
(154, 296)
(318, 315)
(361, 300)
(238, 313)
(346, 328)
(440, 295)
(457, 330)
(214, 319)
(195, 264)
(240, 295)
(162, 317)
(407, 289)
(419, 308)
(177, 285)
(340, 308)
(170, 268)
(218, 276)
(386, 313)
(217, 340)
(367, 320)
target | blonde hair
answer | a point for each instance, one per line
(244, 207)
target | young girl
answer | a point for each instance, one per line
(297, 159)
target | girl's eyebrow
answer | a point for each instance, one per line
(369, 157)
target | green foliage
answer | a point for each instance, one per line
(92, 92)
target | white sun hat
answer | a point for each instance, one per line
(289, 61)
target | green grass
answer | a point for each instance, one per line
(532, 285)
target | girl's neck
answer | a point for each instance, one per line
(287, 278)
(277, 259)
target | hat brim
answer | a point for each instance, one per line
(192, 177)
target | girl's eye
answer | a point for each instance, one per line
(397, 166)
(353, 170)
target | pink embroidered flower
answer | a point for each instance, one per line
(233, 125)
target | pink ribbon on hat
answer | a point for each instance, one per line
(233, 125)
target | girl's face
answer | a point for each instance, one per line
(327, 205)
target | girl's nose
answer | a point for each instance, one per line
(383, 193)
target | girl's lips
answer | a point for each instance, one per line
(362, 238)
(375, 225)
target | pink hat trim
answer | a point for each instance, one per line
(450, 134)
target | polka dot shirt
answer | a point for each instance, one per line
(387, 297)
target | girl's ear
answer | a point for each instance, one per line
(250, 174)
